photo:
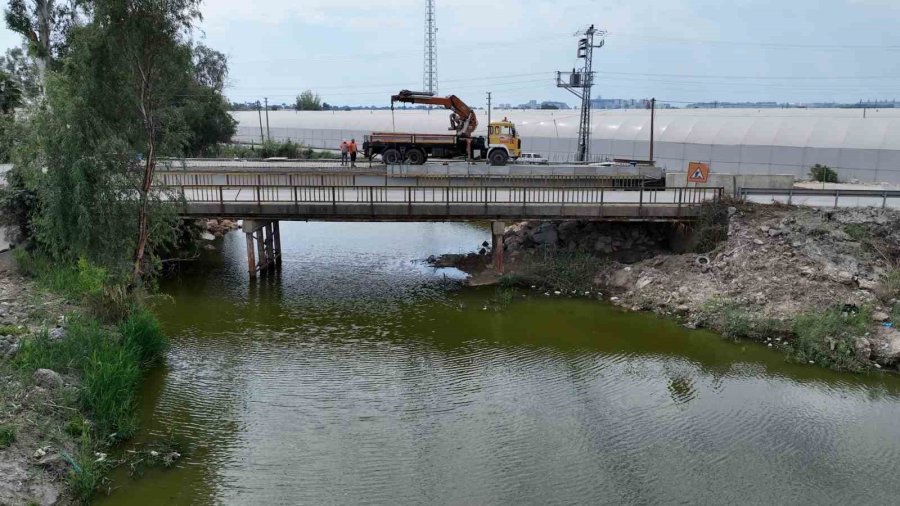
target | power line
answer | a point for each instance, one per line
(777, 45)
(714, 76)
(469, 79)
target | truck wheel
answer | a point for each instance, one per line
(498, 157)
(416, 156)
(391, 156)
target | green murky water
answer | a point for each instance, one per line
(357, 377)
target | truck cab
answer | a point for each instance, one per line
(503, 142)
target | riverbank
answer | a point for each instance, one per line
(32, 409)
(72, 354)
(821, 284)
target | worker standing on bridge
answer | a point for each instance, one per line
(353, 150)
(345, 150)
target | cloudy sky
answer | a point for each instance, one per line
(358, 51)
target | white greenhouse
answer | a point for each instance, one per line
(860, 145)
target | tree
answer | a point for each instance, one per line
(10, 94)
(45, 25)
(23, 70)
(210, 67)
(309, 101)
(207, 119)
(145, 41)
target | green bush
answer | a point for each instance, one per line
(12, 330)
(711, 227)
(268, 149)
(141, 331)
(740, 322)
(74, 281)
(513, 281)
(857, 232)
(823, 174)
(828, 337)
(86, 474)
(562, 270)
(110, 380)
(111, 304)
(108, 364)
(7, 436)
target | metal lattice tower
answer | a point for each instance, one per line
(429, 81)
(583, 79)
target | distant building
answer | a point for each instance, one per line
(617, 103)
(734, 105)
(554, 105)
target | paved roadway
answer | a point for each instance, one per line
(827, 201)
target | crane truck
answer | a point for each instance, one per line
(503, 142)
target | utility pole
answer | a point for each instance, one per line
(583, 79)
(268, 133)
(429, 79)
(262, 137)
(489, 116)
(652, 126)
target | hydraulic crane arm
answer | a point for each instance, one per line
(462, 120)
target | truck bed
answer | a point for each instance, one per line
(412, 138)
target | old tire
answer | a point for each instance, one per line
(498, 157)
(416, 156)
(391, 156)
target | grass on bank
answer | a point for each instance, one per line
(737, 321)
(826, 337)
(107, 360)
(559, 270)
(7, 435)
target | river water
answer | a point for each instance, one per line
(359, 375)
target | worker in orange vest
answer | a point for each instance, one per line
(353, 149)
(345, 150)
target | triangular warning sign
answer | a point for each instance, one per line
(698, 172)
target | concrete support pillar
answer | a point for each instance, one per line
(277, 237)
(270, 245)
(497, 228)
(266, 253)
(251, 258)
(261, 249)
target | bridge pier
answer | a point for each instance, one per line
(497, 229)
(263, 245)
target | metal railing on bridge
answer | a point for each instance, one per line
(337, 179)
(596, 197)
(825, 197)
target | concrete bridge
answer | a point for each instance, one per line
(262, 206)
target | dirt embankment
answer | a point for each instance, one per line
(32, 449)
(777, 264)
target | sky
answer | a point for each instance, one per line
(359, 52)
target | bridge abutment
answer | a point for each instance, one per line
(263, 245)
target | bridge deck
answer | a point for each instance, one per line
(392, 203)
